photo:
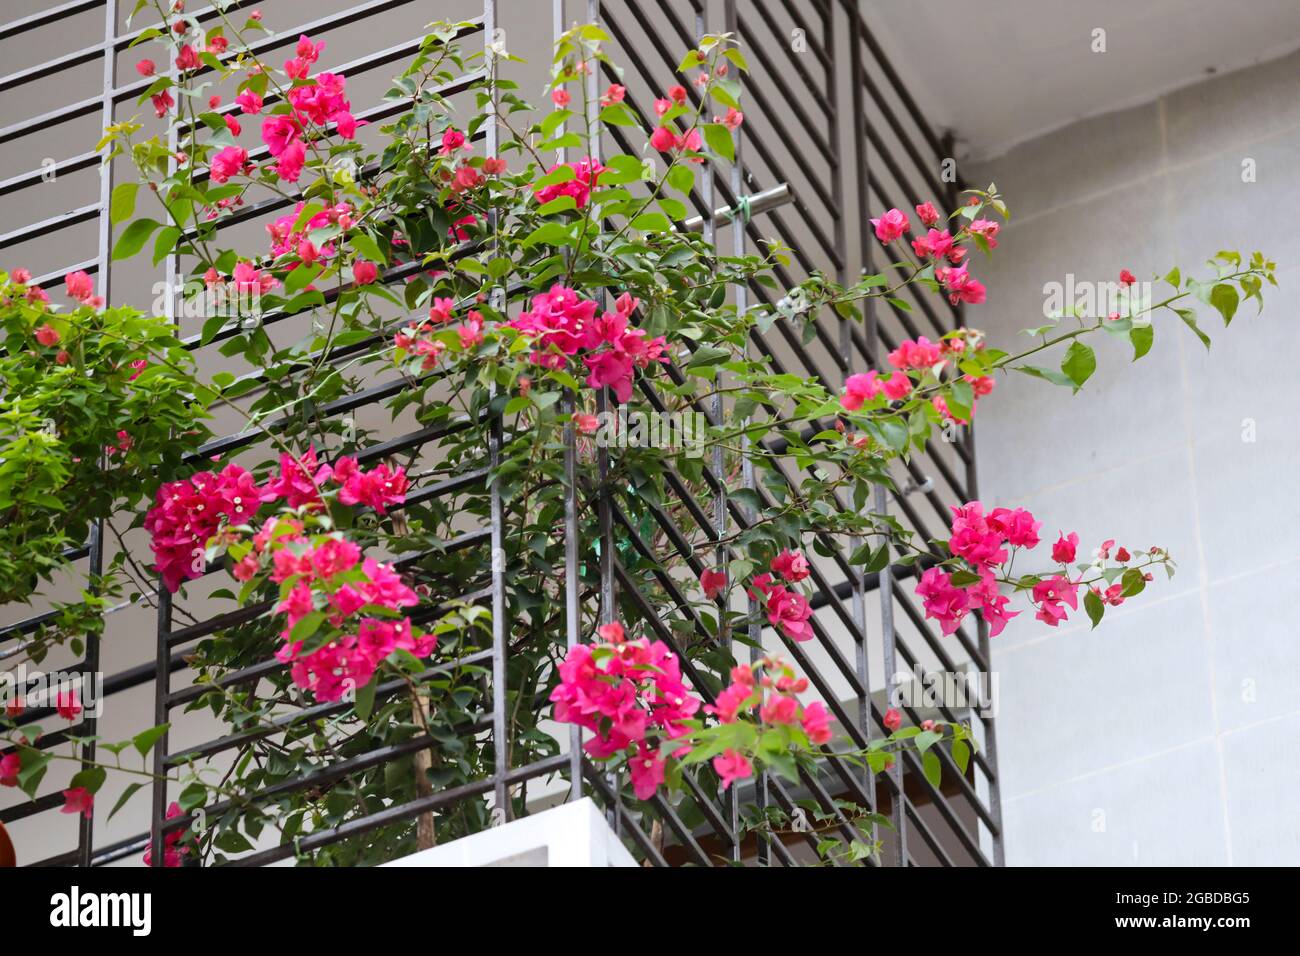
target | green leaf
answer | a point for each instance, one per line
(145, 740)
(122, 204)
(1093, 605)
(1133, 582)
(92, 778)
(1079, 363)
(134, 237)
(1046, 374)
(1141, 336)
(932, 768)
(300, 277)
(127, 794)
(1189, 319)
(1224, 298)
(165, 243)
(366, 246)
(652, 222)
(961, 755)
(718, 138)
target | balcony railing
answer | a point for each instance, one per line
(809, 170)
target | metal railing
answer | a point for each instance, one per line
(808, 170)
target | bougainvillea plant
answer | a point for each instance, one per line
(527, 289)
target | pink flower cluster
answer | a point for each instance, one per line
(189, 512)
(941, 248)
(772, 694)
(786, 609)
(981, 541)
(173, 853)
(625, 691)
(586, 174)
(320, 577)
(563, 324)
(413, 339)
(286, 242)
(318, 102)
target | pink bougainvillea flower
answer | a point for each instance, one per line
(779, 709)
(647, 772)
(560, 97)
(859, 389)
(10, 764)
(78, 800)
(47, 335)
(186, 58)
(614, 94)
(79, 285)
(897, 386)
(290, 161)
(173, 855)
(452, 140)
(364, 272)
(587, 424)
(928, 215)
(278, 132)
(586, 174)
(921, 354)
(664, 140)
(379, 488)
(941, 600)
(891, 225)
(1017, 526)
(791, 565)
(817, 723)
(249, 102)
(677, 94)
(1065, 548)
(67, 704)
(934, 244)
(988, 229)
(892, 720)
(733, 118)
(229, 162)
(790, 611)
(146, 67)
(162, 102)
(713, 582)
(960, 284)
(731, 766)
(976, 537)
(1050, 595)
(1126, 277)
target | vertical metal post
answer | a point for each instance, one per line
(500, 741)
(608, 611)
(738, 224)
(859, 595)
(162, 659)
(86, 826)
(572, 542)
(879, 496)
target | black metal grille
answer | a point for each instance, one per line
(838, 162)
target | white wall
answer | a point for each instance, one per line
(1166, 736)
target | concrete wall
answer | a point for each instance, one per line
(1164, 737)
